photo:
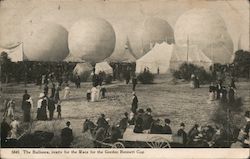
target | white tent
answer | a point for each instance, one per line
(103, 67)
(158, 57)
(126, 56)
(16, 53)
(83, 70)
(191, 54)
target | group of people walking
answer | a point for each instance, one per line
(220, 92)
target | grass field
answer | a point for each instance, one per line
(178, 102)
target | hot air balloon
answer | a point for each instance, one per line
(148, 33)
(207, 30)
(45, 42)
(92, 39)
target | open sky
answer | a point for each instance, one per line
(124, 15)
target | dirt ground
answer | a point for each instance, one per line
(178, 102)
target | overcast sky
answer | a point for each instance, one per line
(124, 15)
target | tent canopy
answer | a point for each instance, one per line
(16, 53)
(125, 57)
(157, 58)
(71, 58)
(103, 67)
(191, 54)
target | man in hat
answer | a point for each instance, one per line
(134, 82)
(51, 108)
(26, 96)
(124, 122)
(138, 122)
(156, 127)
(181, 132)
(223, 94)
(231, 93)
(134, 103)
(53, 90)
(166, 128)
(66, 136)
(46, 89)
(5, 129)
(101, 122)
(27, 106)
(147, 119)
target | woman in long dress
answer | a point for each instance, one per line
(66, 92)
(39, 105)
(11, 107)
(98, 89)
(93, 94)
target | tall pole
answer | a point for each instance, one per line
(187, 47)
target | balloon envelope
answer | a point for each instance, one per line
(45, 42)
(207, 30)
(92, 39)
(151, 31)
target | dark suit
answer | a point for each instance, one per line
(25, 97)
(51, 108)
(183, 134)
(166, 130)
(66, 137)
(147, 121)
(102, 123)
(134, 104)
(156, 129)
(53, 90)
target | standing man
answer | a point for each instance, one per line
(134, 82)
(46, 89)
(26, 96)
(66, 136)
(134, 103)
(28, 104)
(181, 132)
(78, 81)
(51, 108)
(53, 90)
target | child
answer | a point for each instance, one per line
(58, 109)
(88, 95)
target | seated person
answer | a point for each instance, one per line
(138, 125)
(147, 119)
(115, 134)
(166, 128)
(102, 123)
(156, 127)
(124, 122)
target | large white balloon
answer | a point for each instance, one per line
(92, 39)
(45, 42)
(207, 30)
(146, 34)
